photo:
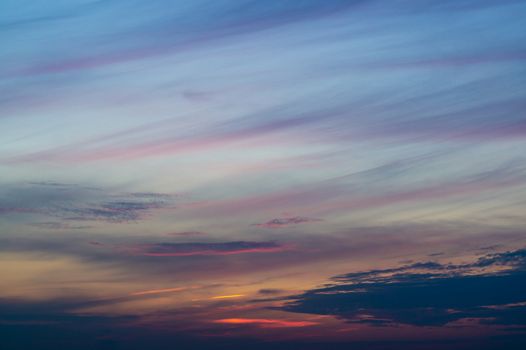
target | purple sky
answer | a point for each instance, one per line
(281, 174)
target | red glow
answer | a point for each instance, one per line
(266, 323)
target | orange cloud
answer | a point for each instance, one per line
(159, 291)
(201, 248)
(228, 296)
(266, 323)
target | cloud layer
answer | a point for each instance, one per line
(491, 290)
(189, 249)
(178, 172)
(71, 202)
(282, 222)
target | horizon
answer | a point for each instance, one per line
(238, 174)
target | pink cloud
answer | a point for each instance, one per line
(266, 323)
(97, 149)
(334, 196)
(191, 249)
(282, 222)
(160, 291)
(446, 190)
(8, 210)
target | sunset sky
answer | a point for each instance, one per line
(281, 174)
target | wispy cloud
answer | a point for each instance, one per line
(190, 249)
(187, 233)
(70, 202)
(231, 296)
(265, 323)
(306, 136)
(196, 33)
(282, 222)
(53, 225)
(118, 211)
(270, 291)
(160, 291)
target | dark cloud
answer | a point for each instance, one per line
(55, 324)
(187, 233)
(281, 222)
(118, 211)
(393, 241)
(491, 289)
(435, 254)
(53, 225)
(267, 291)
(51, 325)
(72, 202)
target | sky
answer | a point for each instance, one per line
(286, 174)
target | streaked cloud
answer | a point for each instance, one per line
(71, 202)
(200, 248)
(265, 323)
(53, 225)
(187, 233)
(231, 296)
(282, 222)
(177, 172)
(160, 291)
(267, 291)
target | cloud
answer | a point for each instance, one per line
(265, 323)
(267, 291)
(282, 222)
(491, 290)
(57, 323)
(113, 211)
(52, 324)
(72, 202)
(208, 138)
(11, 210)
(189, 249)
(371, 189)
(160, 291)
(231, 296)
(187, 233)
(53, 225)
(235, 19)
